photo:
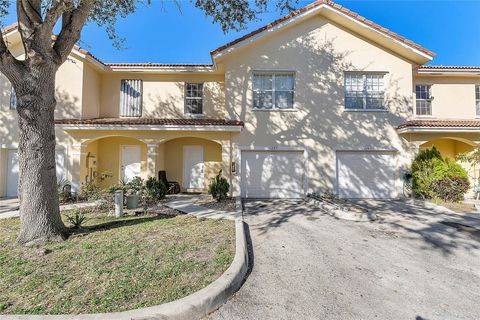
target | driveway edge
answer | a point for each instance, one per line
(194, 306)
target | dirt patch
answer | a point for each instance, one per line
(207, 201)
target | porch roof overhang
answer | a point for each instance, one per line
(189, 124)
(436, 125)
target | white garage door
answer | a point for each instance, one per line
(273, 174)
(366, 174)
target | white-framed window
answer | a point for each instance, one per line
(13, 99)
(364, 91)
(477, 100)
(194, 98)
(273, 90)
(131, 98)
(423, 100)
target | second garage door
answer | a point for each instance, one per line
(366, 174)
(273, 174)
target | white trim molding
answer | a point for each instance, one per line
(150, 127)
(438, 129)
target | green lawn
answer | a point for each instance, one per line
(115, 265)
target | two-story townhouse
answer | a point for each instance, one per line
(322, 100)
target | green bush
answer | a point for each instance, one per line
(429, 168)
(135, 185)
(219, 187)
(155, 188)
(451, 188)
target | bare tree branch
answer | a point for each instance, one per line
(55, 11)
(72, 23)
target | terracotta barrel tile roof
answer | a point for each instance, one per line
(336, 6)
(151, 121)
(452, 123)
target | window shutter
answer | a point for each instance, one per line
(131, 98)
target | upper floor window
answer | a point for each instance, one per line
(131, 98)
(423, 98)
(477, 100)
(194, 98)
(364, 91)
(13, 99)
(273, 91)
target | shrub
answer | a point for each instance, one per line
(135, 185)
(451, 188)
(155, 188)
(77, 219)
(430, 171)
(90, 191)
(219, 187)
(424, 173)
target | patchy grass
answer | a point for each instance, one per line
(113, 264)
(459, 207)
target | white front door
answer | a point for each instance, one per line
(130, 162)
(273, 174)
(193, 167)
(366, 174)
(12, 173)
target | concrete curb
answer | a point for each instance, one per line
(194, 306)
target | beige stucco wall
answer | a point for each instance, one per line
(163, 95)
(91, 92)
(453, 96)
(318, 52)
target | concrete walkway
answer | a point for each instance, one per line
(186, 204)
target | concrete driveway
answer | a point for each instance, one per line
(407, 265)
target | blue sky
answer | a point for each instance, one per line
(161, 33)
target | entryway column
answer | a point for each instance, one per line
(77, 165)
(227, 162)
(152, 155)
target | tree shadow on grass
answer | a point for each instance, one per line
(115, 224)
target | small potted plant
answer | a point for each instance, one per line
(133, 192)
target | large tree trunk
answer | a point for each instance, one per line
(39, 206)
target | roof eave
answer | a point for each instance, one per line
(413, 129)
(418, 56)
(154, 127)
